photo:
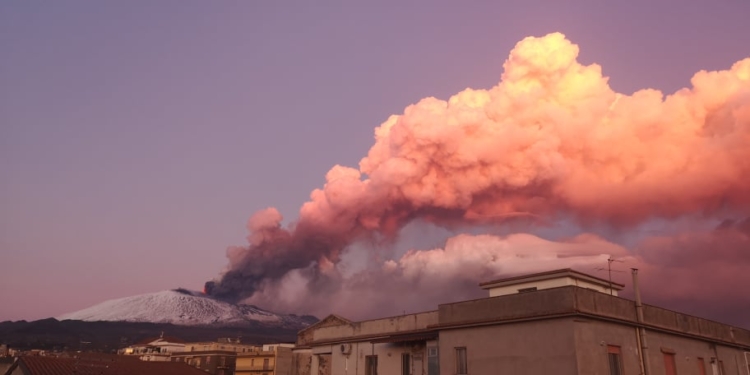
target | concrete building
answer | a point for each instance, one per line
(214, 357)
(157, 349)
(272, 359)
(558, 322)
(214, 362)
(222, 344)
(547, 280)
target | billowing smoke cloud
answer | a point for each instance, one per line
(552, 140)
(420, 279)
(702, 273)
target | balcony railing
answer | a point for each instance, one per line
(254, 368)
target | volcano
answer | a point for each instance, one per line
(187, 308)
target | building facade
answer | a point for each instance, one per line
(272, 359)
(547, 326)
(214, 357)
(157, 349)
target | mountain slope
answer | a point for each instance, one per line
(183, 307)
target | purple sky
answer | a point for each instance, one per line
(137, 138)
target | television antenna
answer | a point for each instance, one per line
(609, 271)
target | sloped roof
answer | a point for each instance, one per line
(169, 339)
(84, 366)
(329, 321)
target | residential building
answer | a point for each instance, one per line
(214, 357)
(272, 359)
(547, 280)
(215, 362)
(155, 349)
(557, 322)
(222, 344)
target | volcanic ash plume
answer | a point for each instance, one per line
(551, 140)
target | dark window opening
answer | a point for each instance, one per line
(371, 365)
(461, 365)
(615, 360)
(526, 290)
(405, 364)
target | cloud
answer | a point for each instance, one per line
(551, 140)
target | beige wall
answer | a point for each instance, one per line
(687, 351)
(389, 359)
(546, 284)
(283, 361)
(564, 330)
(541, 347)
(210, 346)
(379, 326)
(255, 362)
(302, 362)
(592, 338)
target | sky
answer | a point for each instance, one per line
(137, 138)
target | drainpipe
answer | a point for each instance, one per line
(645, 362)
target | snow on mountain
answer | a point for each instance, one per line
(183, 307)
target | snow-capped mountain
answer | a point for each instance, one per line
(184, 307)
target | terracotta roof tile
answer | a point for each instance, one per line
(87, 366)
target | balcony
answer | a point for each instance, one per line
(254, 368)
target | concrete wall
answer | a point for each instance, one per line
(389, 359)
(523, 305)
(688, 350)
(283, 361)
(209, 346)
(579, 300)
(564, 330)
(690, 324)
(540, 347)
(302, 362)
(547, 284)
(591, 340)
(375, 327)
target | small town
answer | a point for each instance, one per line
(560, 321)
(422, 187)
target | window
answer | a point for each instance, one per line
(526, 290)
(461, 368)
(432, 351)
(615, 360)
(405, 364)
(701, 366)
(670, 367)
(265, 363)
(371, 365)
